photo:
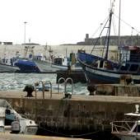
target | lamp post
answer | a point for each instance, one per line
(25, 31)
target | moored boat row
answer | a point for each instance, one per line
(38, 63)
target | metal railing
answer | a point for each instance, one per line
(122, 126)
(65, 82)
(60, 79)
(44, 83)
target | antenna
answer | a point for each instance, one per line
(25, 31)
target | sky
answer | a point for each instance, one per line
(57, 22)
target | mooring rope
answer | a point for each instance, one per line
(66, 135)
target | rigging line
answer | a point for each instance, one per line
(97, 29)
(99, 36)
(62, 134)
(127, 24)
(85, 134)
(112, 5)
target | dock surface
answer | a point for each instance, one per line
(32, 137)
(59, 96)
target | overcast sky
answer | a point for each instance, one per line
(60, 21)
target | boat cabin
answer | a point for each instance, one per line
(61, 61)
(129, 61)
(130, 53)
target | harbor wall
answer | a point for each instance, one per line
(94, 113)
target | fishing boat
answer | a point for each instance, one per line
(102, 70)
(30, 62)
(40, 63)
(13, 122)
(7, 66)
(128, 129)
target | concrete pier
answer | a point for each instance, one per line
(31, 137)
(81, 115)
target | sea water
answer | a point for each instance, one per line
(17, 81)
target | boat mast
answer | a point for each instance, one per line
(109, 30)
(119, 33)
(119, 24)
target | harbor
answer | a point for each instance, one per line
(85, 112)
(78, 89)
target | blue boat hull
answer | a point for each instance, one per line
(26, 66)
(97, 76)
(101, 75)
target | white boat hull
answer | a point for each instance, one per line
(128, 137)
(48, 67)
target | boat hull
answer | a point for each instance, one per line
(127, 136)
(8, 68)
(43, 66)
(101, 76)
(26, 66)
(49, 67)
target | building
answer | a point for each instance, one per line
(124, 40)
